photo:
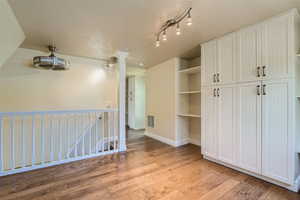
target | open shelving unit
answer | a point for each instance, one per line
(189, 99)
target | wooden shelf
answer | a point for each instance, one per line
(191, 70)
(190, 92)
(189, 115)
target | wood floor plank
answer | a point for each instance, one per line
(149, 170)
(219, 191)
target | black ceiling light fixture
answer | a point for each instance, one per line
(174, 22)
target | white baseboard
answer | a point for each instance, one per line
(295, 187)
(173, 143)
(195, 142)
(161, 139)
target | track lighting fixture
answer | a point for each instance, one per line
(157, 44)
(178, 32)
(189, 19)
(173, 22)
(164, 36)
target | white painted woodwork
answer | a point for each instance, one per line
(32, 140)
(209, 62)
(122, 56)
(276, 130)
(227, 123)
(247, 54)
(276, 45)
(227, 59)
(249, 127)
(263, 107)
(209, 123)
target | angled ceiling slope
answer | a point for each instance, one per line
(11, 34)
(97, 29)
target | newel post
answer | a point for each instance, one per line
(122, 56)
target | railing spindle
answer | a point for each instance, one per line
(12, 143)
(114, 130)
(68, 138)
(60, 138)
(51, 140)
(103, 132)
(1, 145)
(76, 135)
(23, 142)
(42, 138)
(82, 134)
(90, 138)
(109, 130)
(33, 140)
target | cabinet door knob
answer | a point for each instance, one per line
(258, 71)
(218, 92)
(264, 71)
(264, 90)
(215, 92)
(258, 90)
(214, 78)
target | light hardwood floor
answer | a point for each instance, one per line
(149, 170)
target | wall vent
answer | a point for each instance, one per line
(150, 121)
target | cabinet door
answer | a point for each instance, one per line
(277, 125)
(227, 123)
(209, 123)
(277, 48)
(249, 126)
(247, 54)
(227, 59)
(209, 62)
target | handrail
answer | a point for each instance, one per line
(57, 112)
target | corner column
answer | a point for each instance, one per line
(122, 56)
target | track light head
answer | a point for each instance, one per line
(164, 36)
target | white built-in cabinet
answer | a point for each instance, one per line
(248, 100)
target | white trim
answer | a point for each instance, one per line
(182, 142)
(295, 187)
(161, 139)
(122, 98)
(167, 140)
(195, 142)
(35, 167)
(56, 112)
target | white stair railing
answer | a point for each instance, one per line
(32, 140)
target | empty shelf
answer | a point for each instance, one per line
(191, 70)
(189, 115)
(190, 92)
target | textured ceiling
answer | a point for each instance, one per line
(98, 28)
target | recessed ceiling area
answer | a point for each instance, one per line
(97, 29)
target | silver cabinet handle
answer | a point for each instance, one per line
(218, 92)
(258, 71)
(258, 90)
(264, 90)
(264, 71)
(218, 77)
(214, 78)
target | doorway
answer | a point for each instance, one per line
(135, 105)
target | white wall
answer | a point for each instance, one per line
(87, 85)
(160, 99)
(11, 34)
